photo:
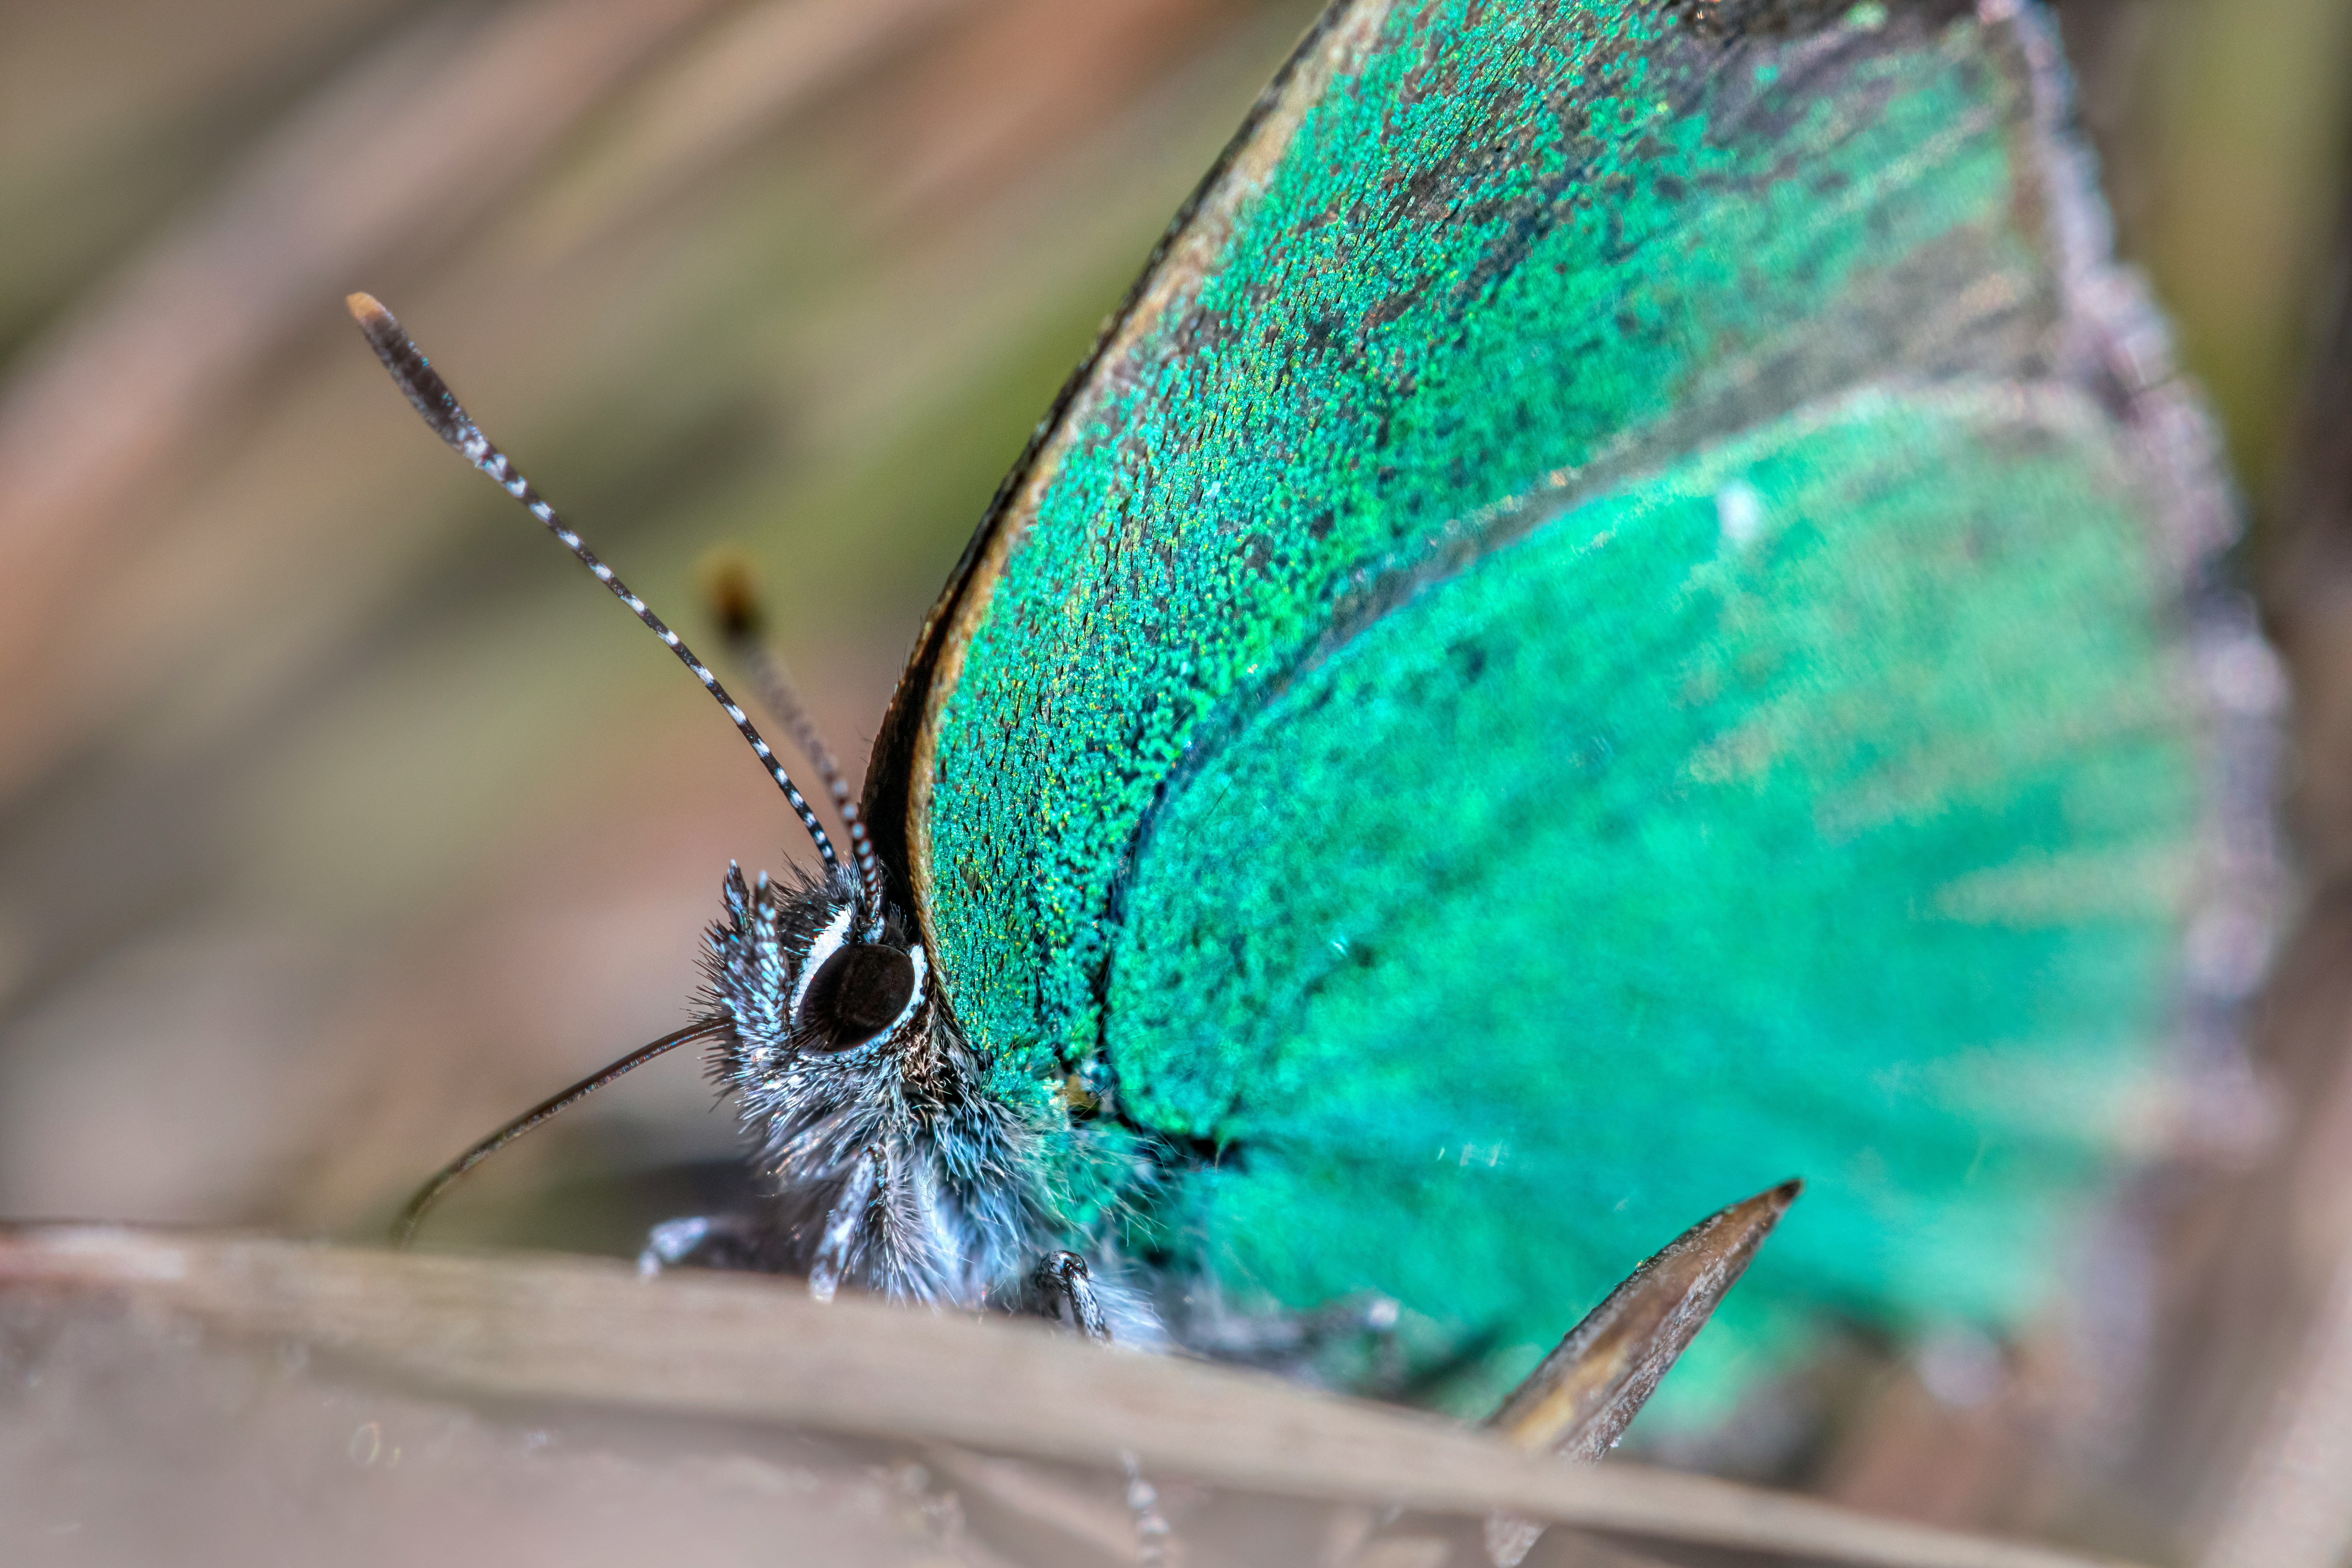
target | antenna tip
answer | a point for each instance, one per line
(365, 309)
(731, 585)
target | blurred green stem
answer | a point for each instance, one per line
(2253, 101)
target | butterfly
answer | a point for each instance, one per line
(1601, 628)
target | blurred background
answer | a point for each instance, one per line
(340, 816)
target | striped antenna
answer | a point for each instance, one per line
(433, 399)
(742, 621)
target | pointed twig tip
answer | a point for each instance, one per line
(1591, 1387)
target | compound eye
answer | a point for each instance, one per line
(859, 992)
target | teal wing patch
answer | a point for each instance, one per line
(1589, 594)
(1817, 807)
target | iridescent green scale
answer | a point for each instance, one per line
(1599, 632)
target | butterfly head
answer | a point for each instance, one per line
(810, 978)
(891, 1167)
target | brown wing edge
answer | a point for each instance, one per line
(897, 774)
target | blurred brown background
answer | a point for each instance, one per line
(340, 816)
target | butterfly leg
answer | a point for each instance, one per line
(841, 1223)
(1068, 1290)
(1291, 1344)
(1069, 1295)
(1153, 1531)
(705, 1241)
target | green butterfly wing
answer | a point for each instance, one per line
(1593, 637)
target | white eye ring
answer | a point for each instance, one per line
(832, 940)
(828, 943)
